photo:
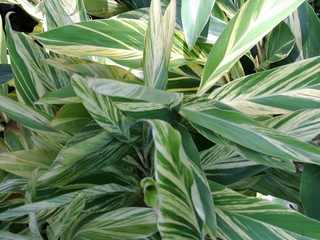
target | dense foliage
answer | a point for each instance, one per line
(180, 120)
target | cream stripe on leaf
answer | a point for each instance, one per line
(246, 132)
(253, 21)
(277, 91)
(243, 217)
(194, 15)
(122, 223)
(102, 109)
(158, 45)
(64, 12)
(121, 40)
(180, 206)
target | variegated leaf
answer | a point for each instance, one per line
(102, 109)
(250, 134)
(303, 125)
(253, 21)
(109, 38)
(113, 88)
(63, 12)
(281, 184)
(93, 69)
(277, 91)
(180, 200)
(210, 33)
(32, 76)
(88, 151)
(23, 163)
(194, 23)
(305, 26)
(123, 223)
(63, 200)
(158, 44)
(242, 217)
(66, 217)
(26, 115)
(279, 44)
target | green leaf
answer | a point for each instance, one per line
(71, 118)
(25, 115)
(194, 23)
(280, 42)
(30, 198)
(150, 192)
(122, 223)
(11, 236)
(61, 96)
(256, 19)
(3, 47)
(181, 196)
(66, 217)
(309, 190)
(242, 217)
(277, 91)
(23, 163)
(6, 74)
(63, 199)
(102, 109)
(64, 12)
(104, 9)
(113, 88)
(246, 132)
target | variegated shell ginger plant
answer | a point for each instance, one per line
(163, 119)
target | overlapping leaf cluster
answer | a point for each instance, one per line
(146, 124)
